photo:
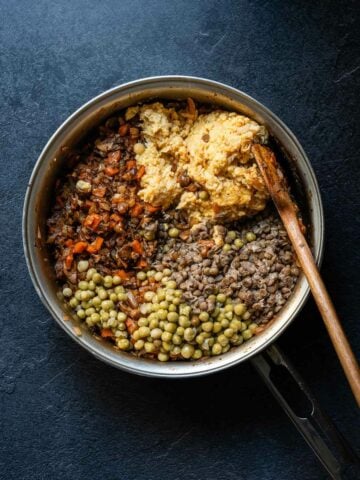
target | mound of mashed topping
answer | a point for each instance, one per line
(213, 151)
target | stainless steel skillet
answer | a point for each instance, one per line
(317, 431)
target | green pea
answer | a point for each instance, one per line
(141, 276)
(240, 309)
(204, 316)
(216, 349)
(67, 292)
(247, 334)
(123, 344)
(89, 311)
(113, 297)
(143, 322)
(162, 314)
(229, 315)
(139, 344)
(229, 332)
(144, 332)
(250, 236)
(148, 296)
(197, 354)
(156, 333)
(246, 316)
(187, 351)
(97, 278)
(104, 316)
(163, 357)
(253, 327)
(122, 297)
(102, 294)
(81, 313)
(74, 302)
(78, 294)
(166, 337)
(108, 280)
(222, 340)
(82, 266)
(189, 334)
(203, 195)
(217, 327)
(154, 323)
(207, 326)
(171, 284)
(172, 317)
(149, 347)
(200, 338)
(228, 308)
(170, 327)
(221, 298)
(238, 243)
(184, 321)
(180, 331)
(176, 339)
(84, 295)
(235, 325)
(166, 346)
(107, 305)
(90, 273)
(116, 280)
(226, 248)
(158, 276)
(83, 285)
(176, 301)
(121, 316)
(173, 232)
(225, 323)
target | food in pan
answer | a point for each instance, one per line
(163, 237)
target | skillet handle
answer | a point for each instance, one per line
(318, 430)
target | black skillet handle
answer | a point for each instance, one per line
(289, 389)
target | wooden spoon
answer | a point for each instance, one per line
(277, 186)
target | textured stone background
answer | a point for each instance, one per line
(65, 415)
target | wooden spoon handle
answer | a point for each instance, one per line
(324, 303)
(276, 183)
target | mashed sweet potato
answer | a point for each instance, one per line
(213, 150)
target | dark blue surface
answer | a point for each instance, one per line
(65, 415)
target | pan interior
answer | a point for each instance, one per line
(51, 164)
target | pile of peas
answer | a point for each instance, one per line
(167, 328)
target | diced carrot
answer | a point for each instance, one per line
(140, 172)
(122, 274)
(79, 247)
(137, 247)
(68, 260)
(92, 221)
(130, 164)
(99, 192)
(115, 217)
(69, 242)
(131, 325)
(96, 245)
(123, 130)
(142, 263)
(137, 210)
(106, 333)
(111, 171)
